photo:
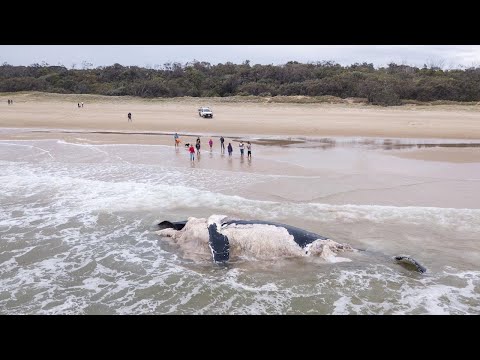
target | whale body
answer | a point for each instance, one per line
(221, 233)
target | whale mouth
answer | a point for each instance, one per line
(178, 225)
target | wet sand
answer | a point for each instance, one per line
(454, 155)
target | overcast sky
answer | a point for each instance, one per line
(149, 55)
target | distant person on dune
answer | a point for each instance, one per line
(129, 117)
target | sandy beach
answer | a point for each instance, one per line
(232, 117)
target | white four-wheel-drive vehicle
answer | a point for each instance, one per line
(205, 112)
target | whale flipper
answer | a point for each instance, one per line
(410, 262)
(219, 244)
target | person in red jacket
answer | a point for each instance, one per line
(191, 150)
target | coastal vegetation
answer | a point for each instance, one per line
(390, 85)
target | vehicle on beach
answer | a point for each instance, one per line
(205, 112)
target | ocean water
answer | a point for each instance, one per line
(78, 230)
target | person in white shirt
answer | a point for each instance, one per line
(241, 146)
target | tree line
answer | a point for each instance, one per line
(387, 85)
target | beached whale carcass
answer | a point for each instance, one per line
(257, 238)
(220, 235)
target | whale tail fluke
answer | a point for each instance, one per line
(410, 263)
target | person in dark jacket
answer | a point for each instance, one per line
(230, 149)
(222, 145)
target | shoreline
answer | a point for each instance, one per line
(437, 150)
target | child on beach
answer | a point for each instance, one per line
(210, 142)
(191, 150)
(230, 149)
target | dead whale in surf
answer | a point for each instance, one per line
(219, 236)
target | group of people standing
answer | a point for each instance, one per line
(191, 149)
(78, 104)
(230, 148)
(9, 102)
(249, 149)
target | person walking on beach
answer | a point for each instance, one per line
(191, 150)
(176, 139)
(82, 103)
(78, 104)
(210, 142)
(249, 150)
(241, 146)
(129, 117)
(197, 145)
(230, 149)
(222, 145)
